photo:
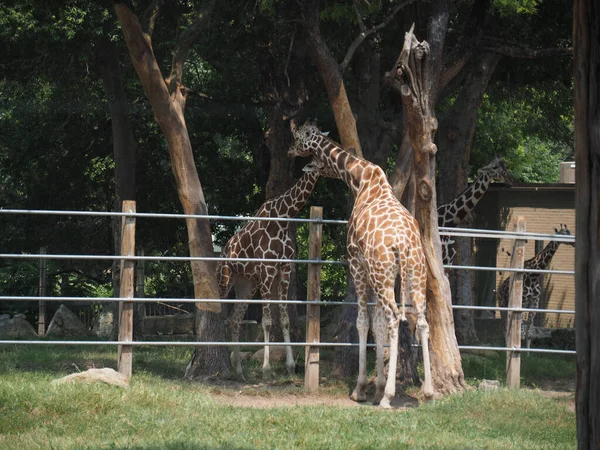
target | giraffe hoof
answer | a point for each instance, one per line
(377, 398)
(359, 396)
(385, 404)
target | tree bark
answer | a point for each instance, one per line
(586, 40)
(331, 75)
(124, 151)
(167, 97)
(417, 90)
(455, 138)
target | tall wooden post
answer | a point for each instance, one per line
(313, 312)
(42, 293)
(125, 354)
(514, 318)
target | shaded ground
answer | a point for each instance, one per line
(288, 393)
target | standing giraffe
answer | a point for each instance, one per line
(268, 240)
(532, 288)
(459, 211)
(384, 242)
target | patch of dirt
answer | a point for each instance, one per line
(561, 390)
(290, 393)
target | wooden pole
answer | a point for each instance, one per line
(313, 312)
(514, 318)
(140, 308)
(125, 354)
(42, 293)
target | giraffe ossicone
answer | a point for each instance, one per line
(265, 240)
(384, 244)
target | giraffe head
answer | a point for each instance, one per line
(306, 138)
(564, 230)
(497, 171)
(317, 165)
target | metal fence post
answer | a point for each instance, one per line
(514, 318)
(313, 312)
(125, 353)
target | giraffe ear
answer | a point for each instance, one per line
(293, 126)
(325, 133)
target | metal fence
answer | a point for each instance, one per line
(456, 232)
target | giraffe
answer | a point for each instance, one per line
(532, 288)
(383, 243)
(459, 211)
(269, 240)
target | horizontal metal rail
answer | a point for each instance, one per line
(168, 216)
(265, 260)
(445, 231)
(253, 302)
(510, 269)
(260, 344)
(167, 258)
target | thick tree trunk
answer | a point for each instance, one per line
(413, 72)
(455, 139)
(124, 153)
(167, 98)
(586, 40)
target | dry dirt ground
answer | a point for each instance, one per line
(283, 394)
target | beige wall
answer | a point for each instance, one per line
(561, 287)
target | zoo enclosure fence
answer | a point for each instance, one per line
(126, 299)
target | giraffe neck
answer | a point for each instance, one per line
(351, 169)
(291, 201)
(543, 258)
(452, 214)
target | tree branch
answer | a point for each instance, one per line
(187, 39)
(150, 16)
(364, 33)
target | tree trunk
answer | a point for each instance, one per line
(331, 75)
(167, 98)
(124, 152)
(416, 88)
(455, 139)
(346, 358)
(586, 40)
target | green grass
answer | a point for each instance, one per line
(160, 411)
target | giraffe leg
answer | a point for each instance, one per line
(390, 385)
(269, 275)
(244, 290)
(418, 300)
(380, 332)
(284, 283)
(362, 324)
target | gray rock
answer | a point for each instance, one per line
(16, 328)
(4, 317)
(489, 385)
(106, 375)
(20, 316)
(66, 324)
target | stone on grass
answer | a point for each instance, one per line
(66, 324)
(16, 328)
(276, 353)
(489, 385)
(106, 375)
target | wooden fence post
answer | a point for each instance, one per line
(313, 312)
(125, 354)
(514, 318)
(42, 293)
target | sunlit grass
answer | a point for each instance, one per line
(160, 411)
